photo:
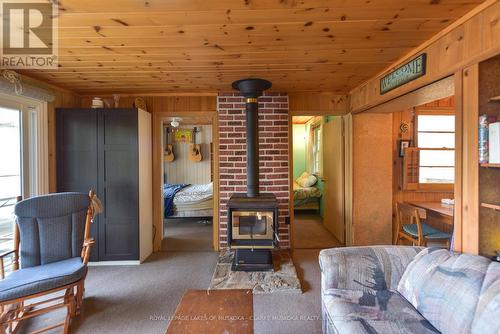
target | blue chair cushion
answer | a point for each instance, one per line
(32, 280)
(428, 231)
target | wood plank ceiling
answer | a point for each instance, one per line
(149, 46)
(301, 119)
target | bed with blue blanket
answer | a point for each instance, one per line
(188, 200)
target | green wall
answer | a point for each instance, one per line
(299, 133)
(299, 149)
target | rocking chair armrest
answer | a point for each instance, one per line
(15, 262)
(88, 242)
(4, 254)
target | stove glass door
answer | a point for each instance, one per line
(248, 225)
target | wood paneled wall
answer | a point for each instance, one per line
(407, 116)
(372, 179)
(183, 170)
(314, 104)
(159, 103)
(473, 38)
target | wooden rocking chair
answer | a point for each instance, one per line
(50, 255)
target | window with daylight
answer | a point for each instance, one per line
(436, 144)
(24, 152)
(316, 150)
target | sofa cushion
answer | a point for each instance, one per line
(445, 288)
(486, 319)
(383, 311)
(28, 281)
(365, 268)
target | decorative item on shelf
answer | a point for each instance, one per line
(483, 139)
(108, 103)
(403, 143)
(195, 149)
(494, 147)
(15, 79)
(140, 104)
(116, 99)
(97, 102)
(169, 148)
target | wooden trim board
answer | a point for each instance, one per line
(440, 89)
(470, 166)
(458, 189)
(158, 119)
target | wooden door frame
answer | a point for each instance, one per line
(157, 124)
(291, 114)
(447, 86)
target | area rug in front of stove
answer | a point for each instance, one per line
(283, 279)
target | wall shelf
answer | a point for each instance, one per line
(491, 206)
(495, 99)
(490, 165)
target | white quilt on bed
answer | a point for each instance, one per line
(194, 194)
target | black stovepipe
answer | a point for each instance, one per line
(251, 89)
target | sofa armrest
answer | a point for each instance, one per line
(364, 268)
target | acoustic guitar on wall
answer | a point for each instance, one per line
(195, 149)
(169, 148)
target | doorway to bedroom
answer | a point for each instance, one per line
(318, 181)
(188, 201)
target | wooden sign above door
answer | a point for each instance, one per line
(405, 73)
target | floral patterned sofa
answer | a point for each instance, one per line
(403, 289)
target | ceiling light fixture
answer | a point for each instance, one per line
(175, 121)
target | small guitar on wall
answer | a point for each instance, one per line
(195, 149)
(169, 148)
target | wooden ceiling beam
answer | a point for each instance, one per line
(390, 13)
(96, 6)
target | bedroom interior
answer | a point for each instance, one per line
(317, 155)
(187, 185)
(261, 166)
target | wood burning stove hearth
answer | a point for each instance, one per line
(252, 217)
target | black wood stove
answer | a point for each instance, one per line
(252, 217)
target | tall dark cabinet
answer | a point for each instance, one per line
(109, 150)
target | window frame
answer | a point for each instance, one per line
(34, 143)
(316, 148)
(433, 111)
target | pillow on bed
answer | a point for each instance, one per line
(306, 180)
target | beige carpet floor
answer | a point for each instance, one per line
(141, 299)
(186, 234)
(310, 233)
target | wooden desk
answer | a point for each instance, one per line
(435, 207)
(438, 215)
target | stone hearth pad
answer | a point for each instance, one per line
(284, 279)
